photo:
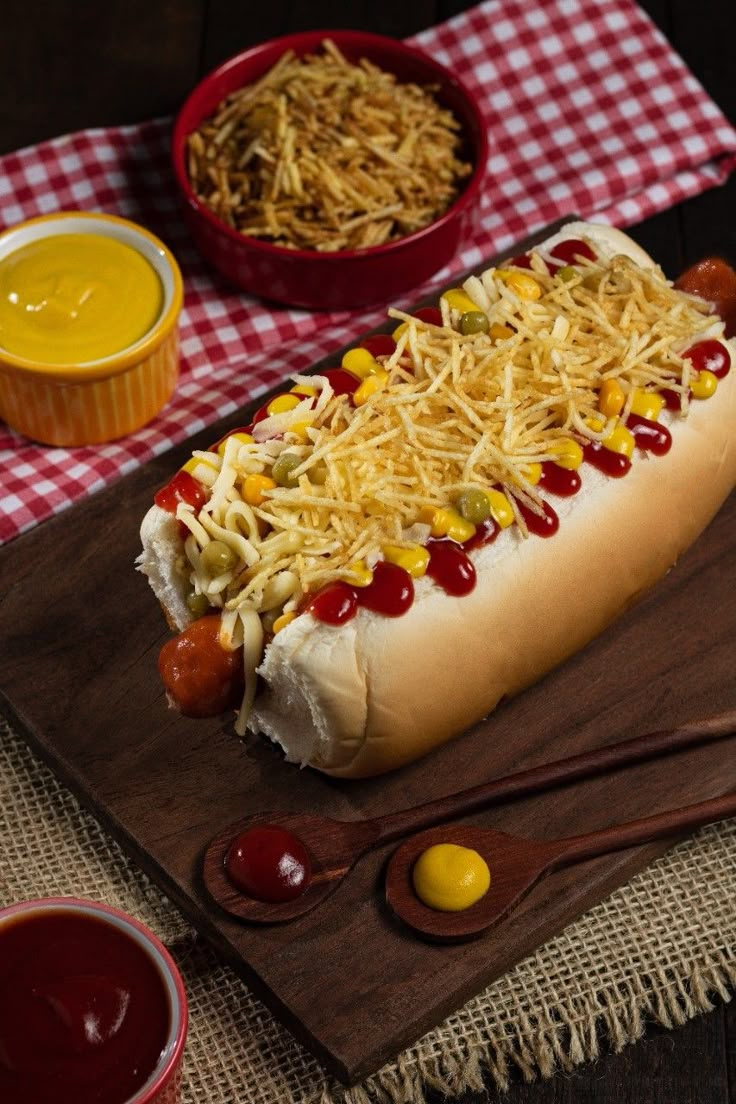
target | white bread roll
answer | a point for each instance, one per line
(378, 692)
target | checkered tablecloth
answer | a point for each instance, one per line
(588, 110)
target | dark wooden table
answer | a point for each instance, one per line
(67, 66)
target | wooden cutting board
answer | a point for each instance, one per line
(81, 633)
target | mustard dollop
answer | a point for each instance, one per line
(450, 878)
(74, 298)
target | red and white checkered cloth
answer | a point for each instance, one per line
(588, 110)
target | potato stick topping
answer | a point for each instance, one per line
(456, 412)
(327, 155)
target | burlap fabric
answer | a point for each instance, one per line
(659, 949)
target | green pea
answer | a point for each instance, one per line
(473, 322)
(473, 505)
(197, 604)
(568, 273)
(283, 469)
(218, 557)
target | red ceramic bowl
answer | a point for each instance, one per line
(92, 1007)
(350, 278)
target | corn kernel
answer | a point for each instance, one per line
(369, 386)
(704, 384)
(611, 398)
(195, 462)
(533, 473)
(447, 523)
(567, 453)
(400, 329)
(647, 404)
(299, 430)
(456, 299)
(282, 621)
(501, 510)
(241, 438)
(621, 440)
(414, 559)
(525, 286)
(305, 389)
(359, 362)
(499, 332)
(358, 573)
(281, 403)
(254, 486)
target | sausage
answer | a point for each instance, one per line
(201, 678)
(713, 279)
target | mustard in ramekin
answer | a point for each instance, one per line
(89, 311)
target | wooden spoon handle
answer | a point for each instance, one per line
(633, 832)
(561, 771)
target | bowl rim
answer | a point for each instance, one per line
(302, 42)
(152, 946)
(131, 233)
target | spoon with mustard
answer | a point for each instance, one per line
(504, 868)
(271, 867)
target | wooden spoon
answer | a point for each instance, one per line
(335, 846)
(517, 864)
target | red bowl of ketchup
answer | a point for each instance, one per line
(92, 1007)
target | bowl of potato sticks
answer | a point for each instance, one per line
(329, 169)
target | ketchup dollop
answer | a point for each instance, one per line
(541, 525)
(378, 344)
(450, 567)
(334, 604)
(390, 592)
(269, 863)
(183, 487)
(606, 460)
(711, 356)
(560, 481)
(84, 1014)
(649, 436)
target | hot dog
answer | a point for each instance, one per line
(374, 542)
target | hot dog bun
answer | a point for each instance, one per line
(377, 692)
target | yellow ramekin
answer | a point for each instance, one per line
(99, 400)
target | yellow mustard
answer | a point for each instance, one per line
(450, 878)
(75, 298)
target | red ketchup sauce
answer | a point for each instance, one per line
(84, 1015)
(378, 344)
(711, 356)
(606, 460)
(181, 488)
(560, 481)
(541, 525)
(450, 567)
(334, 604)
(342, 382)
(485, 533)
(649, 436)
(390, 592)
(269, 863)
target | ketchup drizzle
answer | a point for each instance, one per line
(649, 436)
(541, 525)
(485, 533)
(560, 481)
(334, 604)
(378, 344)
(390, 592)
(606, 460)
(450, 566)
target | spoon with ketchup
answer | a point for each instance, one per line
(272, 867)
